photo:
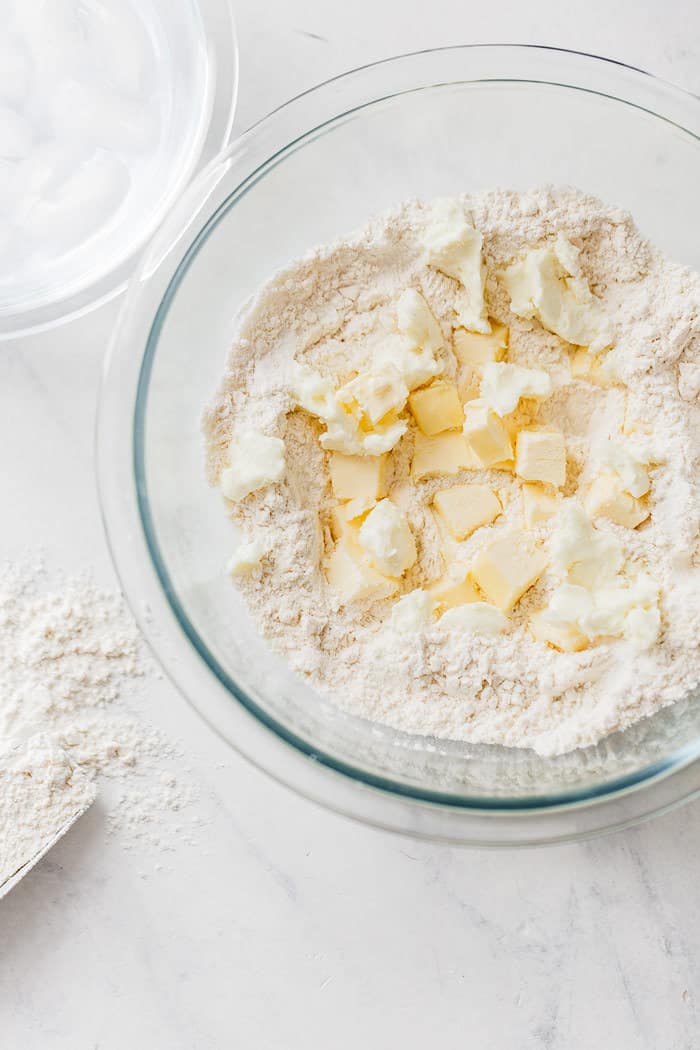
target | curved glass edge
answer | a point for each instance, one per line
(617, 787)
(222, 48)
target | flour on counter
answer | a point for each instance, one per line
(327, 312)
(67, 651)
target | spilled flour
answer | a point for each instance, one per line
(67, 652)
(330, 312)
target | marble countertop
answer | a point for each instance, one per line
(295, 928)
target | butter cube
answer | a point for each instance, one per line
(450, 593)
(386, 539)
(357, 476)
(538, 506)
(374, 394)
(474, 349)
(540, 455)
(486, 434)
(562, 636)
(465, 508)
(508, 567)
(437, 408)
(246, 558)
(441, 455)
(353, 579)
(607, 499)
(346, 517)
(595, 369)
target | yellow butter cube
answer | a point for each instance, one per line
(437, 408)
(508, 567)
(450, 593)
(352, 578)
(540, 455)
(475, 349)
(564, 636)
(357, 476)
(607, 499)
(347, 517)
(538, 506)
(465, 508)
(486, 434)
(585, 366)
(441, 455)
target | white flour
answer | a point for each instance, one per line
(326, 312)
(66, 650)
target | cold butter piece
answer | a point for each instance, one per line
(246, 558)
(316, 394)
(416, 321)
(415, 365)
(344, 430)
(412, 348)
(562, 636)
(596, 370)
(256, 460)
(508, 567)
(538, 505)
(372, 395)
(619, 607)
(346, 516)
(465, 508)
(477, 348)
(476, 618)
(540, 455)
(441, 455)
(449, 592)
(606, 498)
(630, 464)
(585, 554)
(486, 434)
(387, 540)
(548, 284)
(437, 408)
(412, 612)
(454, 247)
(344, 434)
(353, 579)
(355, 477)
(502, 385)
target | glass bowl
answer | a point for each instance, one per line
(428, 124)
(125, 162)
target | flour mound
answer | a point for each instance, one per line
(72, 666)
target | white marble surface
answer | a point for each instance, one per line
(292, 928)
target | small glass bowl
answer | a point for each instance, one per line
(424, 125)
(196, 54)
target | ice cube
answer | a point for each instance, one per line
(120, 42)
(80, 206)
(53, 34)
(95, 113)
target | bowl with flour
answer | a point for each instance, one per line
(307, 248)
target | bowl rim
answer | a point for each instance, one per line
(220, 40)
(615, 788)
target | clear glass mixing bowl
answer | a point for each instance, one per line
(433, 123)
